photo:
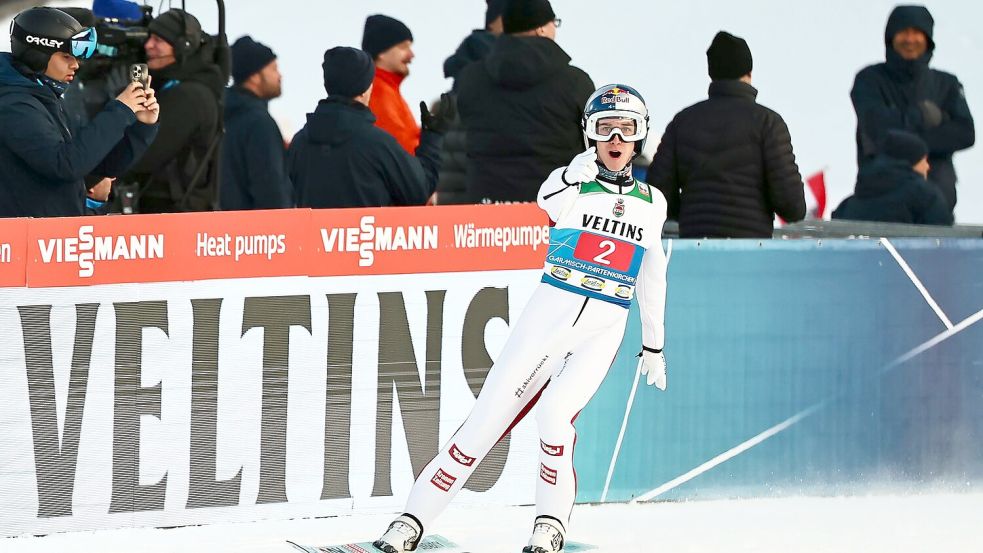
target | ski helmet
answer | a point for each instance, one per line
(615, 101)
(37, 33)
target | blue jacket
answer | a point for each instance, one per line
(253, 168)
(341, 159)
(43, 161)
(889, 191)
(888, 96)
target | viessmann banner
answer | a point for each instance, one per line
(180, 247)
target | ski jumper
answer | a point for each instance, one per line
(605, 246)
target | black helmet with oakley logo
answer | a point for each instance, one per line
(37, 33)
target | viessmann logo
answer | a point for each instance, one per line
(86, 249)
(367, 238)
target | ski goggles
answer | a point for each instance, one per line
(602, 126)
(82, 45)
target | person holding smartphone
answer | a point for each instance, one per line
(45, 163)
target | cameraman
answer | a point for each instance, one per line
(178, 172)
(43, 163)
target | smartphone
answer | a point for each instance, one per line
(140, 73)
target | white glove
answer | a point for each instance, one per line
(583, 168)
(653, 364)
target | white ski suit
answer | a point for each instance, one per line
(606, 245)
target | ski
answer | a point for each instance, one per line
(574, 547)
(429, 543)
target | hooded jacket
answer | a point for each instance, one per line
(521, 107)
(889, 191)
(726, 167)
(44, 159)
(341, 159)
(254, 172)
(451, 188)
(392, 113)
(190, 93)
(891, 95)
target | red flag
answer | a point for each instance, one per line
(815, 193)
(816, 184)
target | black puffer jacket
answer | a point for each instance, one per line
(341, 159)
(190, 94)
(726, 167)
(521, 107)
(890, 95)
(451, 188)
(888, 190)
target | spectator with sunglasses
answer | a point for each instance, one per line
(45, 163)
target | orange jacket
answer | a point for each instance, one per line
(392, 113)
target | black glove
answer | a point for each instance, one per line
(931, 114)
(440, 120)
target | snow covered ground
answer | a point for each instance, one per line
(870, 524)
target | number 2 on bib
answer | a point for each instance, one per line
(604, 251)
(609, 248)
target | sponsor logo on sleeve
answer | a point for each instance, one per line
(547, 474)
(592, 283)
(443, 480)
(551, 450)
(460, 457)
(643, 189)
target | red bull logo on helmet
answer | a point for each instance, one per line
(616, 96)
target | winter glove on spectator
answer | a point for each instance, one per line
(931, 114)
(652, 362)
(583, 168)
(440, 120)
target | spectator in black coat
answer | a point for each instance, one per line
(452, 185)
(44, 160)
(521, 107)
(178, 171)
(254, 174)
(725, 165)
(340, 159)
(893, 187)
(903, 93)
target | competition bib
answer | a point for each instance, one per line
(593, 265)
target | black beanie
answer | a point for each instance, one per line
(520, 16)
(904, 17)
(382, 33)
(178, 28)
(494, 10)
(249, 57)
(348, 71)
(905, 146)
(728, 57)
